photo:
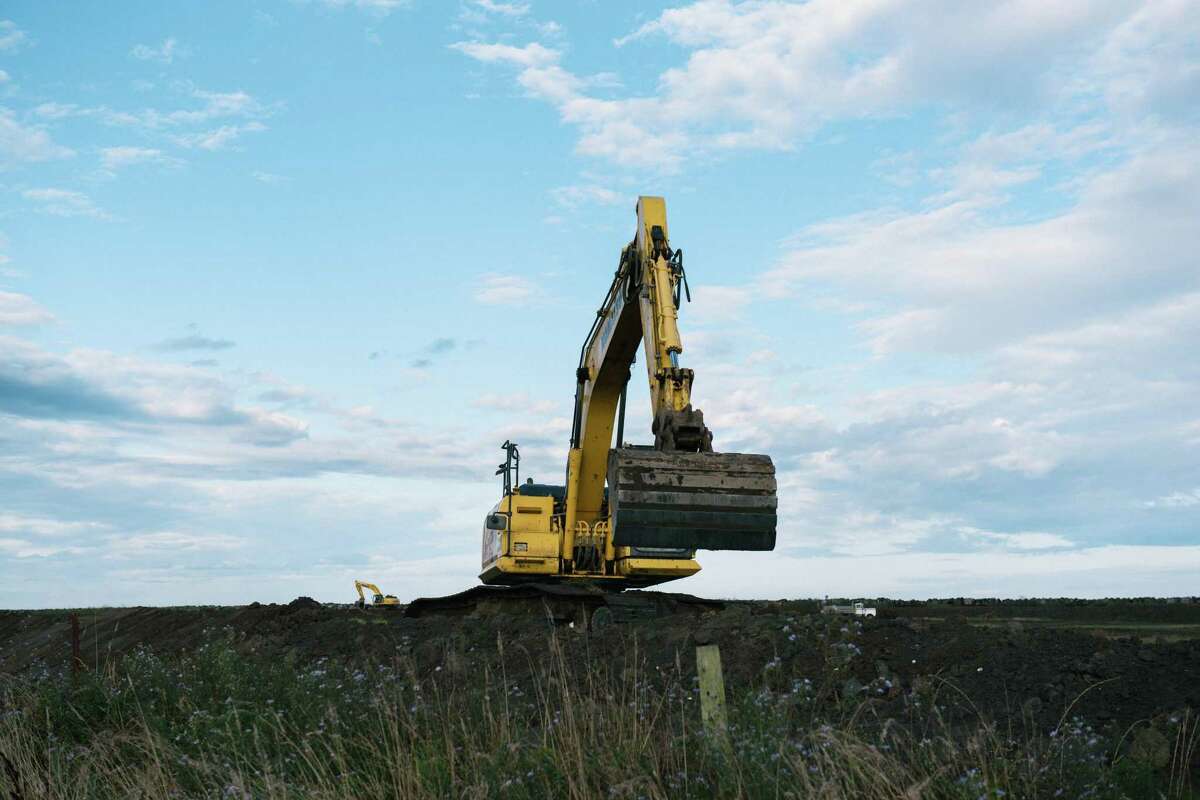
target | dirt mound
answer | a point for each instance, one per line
(1013, 670)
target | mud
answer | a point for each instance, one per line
(1036, 664)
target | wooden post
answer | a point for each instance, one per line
(712, 689)
(76, 658)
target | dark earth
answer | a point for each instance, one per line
(1111, 663)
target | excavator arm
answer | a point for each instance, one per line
(643, 304)
(680, 494)
(360, 585)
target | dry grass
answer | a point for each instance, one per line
(220, 724)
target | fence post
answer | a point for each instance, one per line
(712, 689)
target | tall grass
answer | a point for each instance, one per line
(221, 723)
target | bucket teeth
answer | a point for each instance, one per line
(698, 501)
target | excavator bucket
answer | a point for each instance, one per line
(698, 501)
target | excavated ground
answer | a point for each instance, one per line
(1110, 663)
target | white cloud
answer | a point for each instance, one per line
(505, 290)
(1153, 338)
(1177, 500)
(873, 533)
(64, 203)
(163, 53)
(18, 309)
(218, 138)
(584, 194)
(169, 542)
(11, 37)
(380, 7)
(213, 106)
(116, 158)
(503, 9)
(610, 129)
(768, 74)
(1149, 64)
(95, 384)
(1023, 540)
(39, 526)
(1076, 408)
(1038, 141)
(529, 56)
(58, 110)
(515, 402)
(182, 419)
(23, 548)
(1088, 572)
(20, 143)
(781, 66)
(234, 114)
(4, 77)
(216, 105)
(272, 428)
(960, 278)
(267, 177)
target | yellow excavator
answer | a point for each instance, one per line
(627, 516)
(378, 598)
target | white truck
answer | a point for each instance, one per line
(858, 610)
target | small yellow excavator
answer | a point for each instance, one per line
(627, 516)
(378, 598)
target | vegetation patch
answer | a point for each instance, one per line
(556, 713)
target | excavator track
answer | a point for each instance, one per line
(588, 607)
(698, 501)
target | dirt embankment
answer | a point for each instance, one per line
(1013, 670)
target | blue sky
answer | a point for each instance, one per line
(278, 278)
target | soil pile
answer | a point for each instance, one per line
(1006, 669)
